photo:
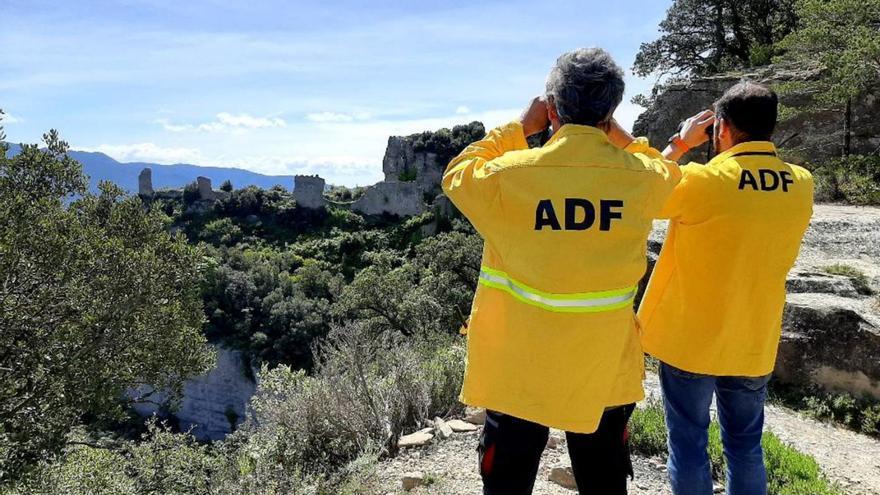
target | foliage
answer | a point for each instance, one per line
(226, 186)
(852, 179)
(447, 144)
(706, 37)
(861, 414)
(789, 472)
(844, 37)
(342, 194)
(364, 392)
(858, 277)
(408, 175)
(96, 298)
(190, 193)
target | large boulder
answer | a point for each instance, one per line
(809, 133)
(831, 341)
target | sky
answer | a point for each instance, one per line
(289, 87)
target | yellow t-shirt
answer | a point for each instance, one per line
(715, 300)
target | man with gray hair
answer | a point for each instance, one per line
(552, 338)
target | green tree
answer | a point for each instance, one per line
(95, 298)
(710, 36)
(844, 37)
(226, 186)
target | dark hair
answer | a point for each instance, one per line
(586, 86)
(752, 110)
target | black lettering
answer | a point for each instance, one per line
(747, 179)
(571, 213)
(606, 214)
(786, 180)
(772, 174)
(546, 215)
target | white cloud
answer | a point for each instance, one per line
(149, 152)
(322, 117)
(8, 118)
(225, 122)
(462, 110)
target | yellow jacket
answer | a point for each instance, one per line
(552, 336)
(714, 303)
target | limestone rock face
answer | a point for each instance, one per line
(393, 198)
(309, 191)
(401, 160)
(810, 134)
(213, 401)
(145, 182)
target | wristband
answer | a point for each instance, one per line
(679, 143)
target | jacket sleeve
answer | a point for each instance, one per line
(668, 176)
(470, 181)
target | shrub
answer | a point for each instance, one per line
(854, 179)
(859, 279)
(647, 428)
(190, 193)
(861, 414)
(367, 389)
(407, 175)
(226, 186)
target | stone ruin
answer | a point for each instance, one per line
(145, 182)
(392, 196)
(308, 191)
(402, 199)
(206, 192)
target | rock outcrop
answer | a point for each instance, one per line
(212, 404)
(402, 162)
(828, 340)
(808, 134)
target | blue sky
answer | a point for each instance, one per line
(283, 87)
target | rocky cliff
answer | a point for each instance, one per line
(808, 133)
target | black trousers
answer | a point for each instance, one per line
(510, 451)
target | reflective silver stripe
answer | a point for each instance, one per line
(505, 283)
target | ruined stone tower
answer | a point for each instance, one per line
(145, 182)
(308, 190)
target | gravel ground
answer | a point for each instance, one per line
(452, 466)
(837, 233)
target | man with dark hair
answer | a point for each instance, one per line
(552, 338)
(712, 311)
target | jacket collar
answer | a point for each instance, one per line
(747, 148)
(576, 130)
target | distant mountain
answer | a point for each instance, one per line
(99, 166)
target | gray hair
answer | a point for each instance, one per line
(586, 86)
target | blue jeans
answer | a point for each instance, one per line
(686, 397)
